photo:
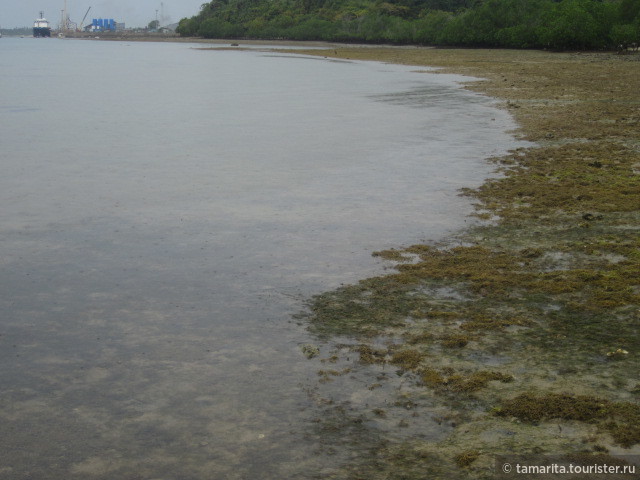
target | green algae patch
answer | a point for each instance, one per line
(455, 341)
(492, 321)
(371, 355)
(476, 380)
(620, 419)
(588, 179)
(407, 359)
(393, 254)
(466, 458)
(460, 382)
(504, 274)
(534, 408)
(361, 309)
(432, 378)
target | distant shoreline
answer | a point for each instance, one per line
(159, 37)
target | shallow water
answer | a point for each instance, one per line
(166, 210)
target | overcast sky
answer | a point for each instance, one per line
(134, 13)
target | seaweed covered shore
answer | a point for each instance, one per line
(519, 335)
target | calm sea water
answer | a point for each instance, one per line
(164, 211)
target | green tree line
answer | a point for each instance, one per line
(556, 24)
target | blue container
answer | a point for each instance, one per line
(100, 24)
(95, 22)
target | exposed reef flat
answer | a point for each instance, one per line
(520, 335)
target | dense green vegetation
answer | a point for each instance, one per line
(557, 24)
(16, 32)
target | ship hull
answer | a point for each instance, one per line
(41, 32)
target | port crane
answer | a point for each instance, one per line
(83, 18)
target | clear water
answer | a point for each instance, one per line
(164, 212)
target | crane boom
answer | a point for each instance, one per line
(83, 18)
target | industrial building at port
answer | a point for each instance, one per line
(104, 25)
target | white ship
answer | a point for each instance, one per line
(41, 27)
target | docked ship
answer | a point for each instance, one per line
(41, 27)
